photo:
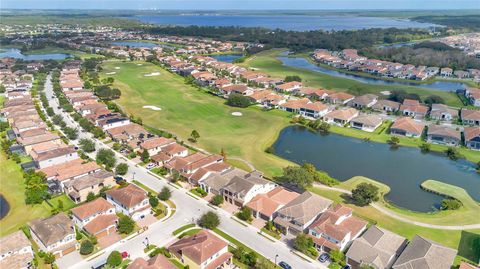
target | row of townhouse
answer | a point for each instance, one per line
(350, 60)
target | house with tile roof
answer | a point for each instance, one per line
(266, 205)
(16, 251)
(79, 188)
(215, 181)
(336, 228)
(240, 190)
(341, 117)
(473, 94)
(155, 144)
(156, 262)
(341, 98)
(366, 122)
(472, 137)
(413, 108)
(377, 247)
(443, 135)
(98, 217)
(130, 200)
(203, 251)
(407, 126)
(470, 117)
(301, 212)
(363, 101)
(55, 234)
(289, 86)
(386, 106)
(422, 253)
(442, 112)
(54, 156)
(314, 109)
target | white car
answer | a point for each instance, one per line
(150, 166)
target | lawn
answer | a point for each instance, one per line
(183, 228)
(49, 50)
(185, 108)
(12, 187)
(266, 62)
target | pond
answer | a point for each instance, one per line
(288, 22)
(4, 207)
(17, 54)
(228, 58)
(403, 169)
(140, 44)
(300, 62)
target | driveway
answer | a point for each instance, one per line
(109, 240)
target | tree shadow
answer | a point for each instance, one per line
(469, 246)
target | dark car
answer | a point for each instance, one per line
(324, 257)
(347, 267)
(285, 265)
(119, 179)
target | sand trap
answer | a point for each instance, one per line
(110, 73)
(152, 74)
(117, 67)
(139, 64)
(237, 114)
(152, 108)
(385, 92)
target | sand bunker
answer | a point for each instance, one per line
(110, 73)
(385, 92)
(152, 108)
(237, 114)
(117, 67)
(152, 74)
(139, 64)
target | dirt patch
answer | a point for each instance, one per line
(153, 108)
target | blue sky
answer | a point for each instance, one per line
(240, 4)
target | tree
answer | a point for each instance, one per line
(87, 145)
(393, 141)
(90, 196)
(36, 190)
(125, 224)
(302, 242)
(238, 100)
(114, 259)
(153, 201)
(425, 147)
(223, 154)
(217, 200)
(194, 135)
(145, 156)
(337, 256)
(71, 133)
(450, 204)
(165, 194)
(245, 214)
(292, 78)
(209, 220)
(121, 169)
(106, 157)
(49, 258)
(434, 99)
(296, 176)
(86, 247)
(453, 153)
(365, 193)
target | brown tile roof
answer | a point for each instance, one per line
(467, 114)
(414, 106)
(340, 95)
(471, 132)
(305, 207)
(386, 103)
(53, 153)
(52, 229)
(198, 247)
(289, 85)
(219, 260)
(13, 242)
(156, 142)
(342, 114)
(443, 131)
(315, 106)
(157, 262)
(70, 169)
(369, 120)
(129, 196)
(96, 206)
(464, 265)
(173, 149)
(216, 167)
(295, 104)
(409, 125)
(37, 139)
(101, 223)
(270, 202)
(33, 132)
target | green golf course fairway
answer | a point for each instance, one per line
(185, 108)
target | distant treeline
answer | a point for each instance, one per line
(299, 41)
(425, 53)
(461, 21)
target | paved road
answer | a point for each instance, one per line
(396, 216)
(188, 210)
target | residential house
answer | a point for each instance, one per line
(156, 262)
(470, 117)
(336, 228)
(79, 188)
(377, 247)
(413, 108)
(472, 137)
(16, 251)
(130, 200)
(422, 253)
(69, 170)
(341, 116)
(406, 126)
(168, 153)
(386, 106)
(366, 122)
(363, 101)
(240, 190)
(314, 110)
(188, 165)
(46, 158)
(341, 98)
(266, 205)
(464, 265)
(98, 217)
(446, 72)
(444, 135)
(155, 144)
(294, 105)
(127, 133)
(473, 94)
(215, 181)
(111, 120)
(237, 89)
(29, 142)
(443, 113)
(202, 251)
(55, 234)
(299, 213)
(289, 86)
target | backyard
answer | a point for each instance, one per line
(185, 108)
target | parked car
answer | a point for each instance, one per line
(150, 166)
(118, 179)
(347, 267)
(324, 257)
(284, 265)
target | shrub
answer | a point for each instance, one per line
(365, 193)
(217, 200)
(209, 220)
(450, 204)
(302, 243)
(165, 194)
(245, 214)
(125, 224)
(153, 201)
(238, 100)
(86, 247)
(121, 169)
(114, 259)
(424, 147)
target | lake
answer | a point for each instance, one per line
(228, 58)
(300, 62)
(17, 54)
(290, 22)
(403, 169)
(4, 207)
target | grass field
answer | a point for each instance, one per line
(185, 108)
(48, 50)
(267, 62)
